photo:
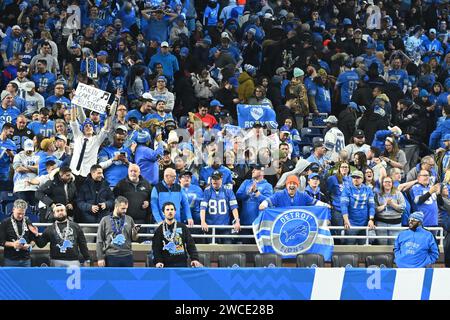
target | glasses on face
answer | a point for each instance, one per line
(59, 88)
(344, 167)
(356, 177)
(424, 175)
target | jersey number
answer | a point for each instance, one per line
(217, 206)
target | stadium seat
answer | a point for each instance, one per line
(350, 260)
(306, 132)
(205, 259)
(317, 132)
(40, 259)
(310, 261)
(8, 208)
(6, 197)
(268, 260)
(317, 139)
(233, 260)
(33, 216)
(306, 151)
(305, 141)
(380, 260)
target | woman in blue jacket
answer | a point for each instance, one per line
(335, 185)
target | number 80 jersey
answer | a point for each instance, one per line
(218, 205)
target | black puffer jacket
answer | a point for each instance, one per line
(136, 196)
(412, 121)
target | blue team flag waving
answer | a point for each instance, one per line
(294, 230)
(249, 114)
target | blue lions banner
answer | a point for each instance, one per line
(248, 114)
(294, 230)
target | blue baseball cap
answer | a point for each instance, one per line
(215, 103)
(423, 93)
(347, 22)
(313, 175)
(102, 53)
(446, 137)
(161, 78)
(418, 215)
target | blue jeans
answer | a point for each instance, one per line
(337, 221)
(355, 233)
(387, 232)
(18, 263)
(119, 262)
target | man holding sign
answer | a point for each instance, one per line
(86, 143)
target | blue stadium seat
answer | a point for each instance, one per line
(305, 141)
(32, 215)
(8, 208)
(317, 132)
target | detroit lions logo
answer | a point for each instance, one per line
(294, 232)
(171, 247)
(66, 245)
(299, 231)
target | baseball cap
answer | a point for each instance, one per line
(116, 65)
(22, 68)
(16, 27)
(446, 137)
(283, 13)
(225, 35)
(28, 86)
(164, 44)
(318, 144)
(148, 96)
(28, 145)
(216, 175)
(432, 30)
(61, 137)
(161, 78)
(102, 53)
(353, 105)
(331, 119)
(359, 133)
(257, 124)
(322, 73)
(357, 173)
(122, 127)
(215, 103)
(280, 70)
(258, 167)
(313, 175)
(186, 173)
(358, 30)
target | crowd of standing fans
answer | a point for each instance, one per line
(360, 89)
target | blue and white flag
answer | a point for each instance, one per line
(294, 230)
(248, 114)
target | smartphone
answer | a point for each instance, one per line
(122, 153)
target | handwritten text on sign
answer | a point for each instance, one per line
(91, 98)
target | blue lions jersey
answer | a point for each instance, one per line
(46, 130)
(358, 203)
(398, 77)
(44, 81)
(195, 197)
(322, 97)
(218, 205)
(5, 160)
(429, 207)
(8, 115)
(347, 82)
(118, 170)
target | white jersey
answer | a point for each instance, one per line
(22, 160)
(334, 138)
(353, 148)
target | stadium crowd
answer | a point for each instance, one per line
(360, 91)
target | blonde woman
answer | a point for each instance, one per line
(390, 205)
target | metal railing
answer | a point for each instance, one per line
(213, 235)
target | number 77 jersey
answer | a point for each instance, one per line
(218, 205)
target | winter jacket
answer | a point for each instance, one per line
(92, 193)
(136, 195)
(53, 191)
(437, 136)
(161, 194)
(246, 86)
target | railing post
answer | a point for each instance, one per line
(213, 235)
(367, 236)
